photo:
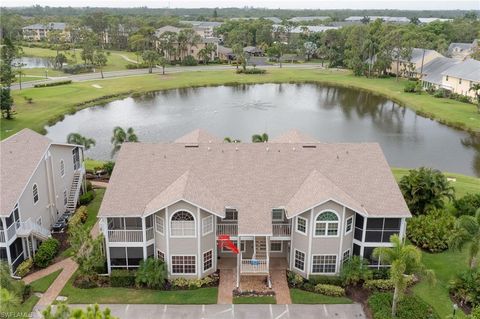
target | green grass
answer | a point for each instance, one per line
(93, 208)
(49, 104)
(91, 164)
(255, 300)
(42, 284)
(463, 184)
(138, 296)
(445, 265)
(305, 297)
(25, 309)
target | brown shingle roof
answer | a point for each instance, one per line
(256, 177)
(198, 136)
(293, 136)
(20, 155)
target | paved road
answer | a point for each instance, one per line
(351, 311)
(170, 70)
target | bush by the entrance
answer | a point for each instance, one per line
(410, 307)
(122, 278)
(46, 252)
(431, 231)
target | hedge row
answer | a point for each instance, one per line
(43, 85)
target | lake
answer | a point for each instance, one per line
(33, 62)
(330, 114)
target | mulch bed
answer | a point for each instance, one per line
(360, 295)
(63, 239)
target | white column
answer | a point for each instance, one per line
(342, 234)
(166, 231)
(364, 231)
(239, 255)
(310, 232)
(144, 236)
(199, 238)
(107, 250)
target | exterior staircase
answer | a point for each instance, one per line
(260, 248)
(74, 191)
(29, 227)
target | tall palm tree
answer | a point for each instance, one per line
(121, 136)
(76, 138)
(476, 90)
(260, 138)
(404, 259)
(228, 139)
(467, 230)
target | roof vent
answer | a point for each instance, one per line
(267, 149)
(236, 148)
(208, 148)
(338, 157)
(191, 145)
(309, 146)
(293, 149)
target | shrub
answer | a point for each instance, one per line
(26, 292)
(136, 66)
(28, 99)
(294, 279)
(89, 186)
(251, 71)
(108, 167)
(78, 68)
(151, 273)
(467, 205)
(475, 313)
(43, 85)
(330, 290)
(24, 268)
(183, 283)
(122, 278)
(410, 87)
(381, 273)
(386, 284)
(431, 231)
(189, 61)
(466, 287)
(326, 280)
(409, 307)
(80, 216)
(87, 197)
(355, 271)
(46, 252)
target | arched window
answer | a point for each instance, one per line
(326, 224)
(62, 168)
(182, 224)
(35, 193)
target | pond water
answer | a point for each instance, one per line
(33, 62)
(330, 114)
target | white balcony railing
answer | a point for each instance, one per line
(150, 233)
(281, 230)
(2, 236)
(125, 236)
(227, 229)
(254, 266)
(11, 231)
(29, 227)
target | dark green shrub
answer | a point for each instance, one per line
(189, 61)
(410, 87)
(466, 287)
(294, 279)
(381, 273)
(86, 198)
(151, 273)
(46, 252)
(108, 167)
(467, 205)
(409, 307)
(355, 271)
(42, 85)
(26, 292)
(136, 66)
(89, 186)
(431, 231)
(122, 278)
(251, 71)
(325, 280)
(78, 68)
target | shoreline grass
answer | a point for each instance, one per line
(49, 104)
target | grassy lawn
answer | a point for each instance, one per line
(255, 300)
(49, 104)
(93, 208)
(445, 265)
(91, 164)
(42, 284)
(138, 296)
(306, 297)
(463, 184)
(25, 309)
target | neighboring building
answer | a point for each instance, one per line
(274, 19)
(462, 51)
(39, 32)
(432, 71)
(40, 180)
(253, 51)
(307, 19)
(374, 18)
(412, 67)
(224, 53)
(308, 29)
(430, 20)
(307, 204)
(461, 77)
(204, 28)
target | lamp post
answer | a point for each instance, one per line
(455, 307)
(46, 73)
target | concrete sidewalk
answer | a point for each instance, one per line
(349, 311)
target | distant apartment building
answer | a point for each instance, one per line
(462, 51)
(412, 67)
(40, 32)
(461, 77)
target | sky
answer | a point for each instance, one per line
(275, 4)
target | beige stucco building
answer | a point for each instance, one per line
(412, 68)
(461, 77)
(40, 180)
(39, 32)
(311, 205)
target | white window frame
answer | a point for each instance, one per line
(183, 229)
(306, 226)
(351, 225)
(209, 220)
(324, 273)
(281, 246)
(35, 190)
(327, 224)
(278, 210)
(234, 212)
(349, 255)
(242, 244)
(295, 258)
(158, 255)
(160, 221)
(62, 168)
(65, 197)
(186, 274)
(203, 260)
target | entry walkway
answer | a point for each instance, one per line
(349, 311)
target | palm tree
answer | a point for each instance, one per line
(403, 258)
(121, 136)
(257, 138)
(467, 230)
(476, 90)
(228, 139)
(76, 138)
(9, 300)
